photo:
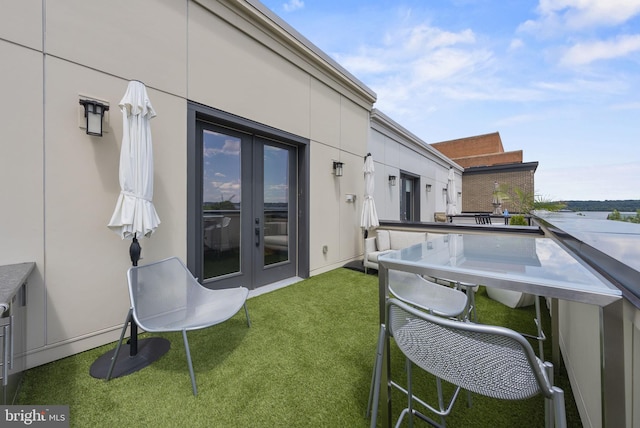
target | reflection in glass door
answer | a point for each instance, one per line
(275, 209)
(276, 205)
(221, 204)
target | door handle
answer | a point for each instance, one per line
(257, 232)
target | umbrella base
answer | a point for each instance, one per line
(149, 350)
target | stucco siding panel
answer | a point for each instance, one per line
(142, 39)
(232, 72)
(323, 207)
(354, 127)
(86, 262)
(21, 174)
(324, 114)
(21, 22)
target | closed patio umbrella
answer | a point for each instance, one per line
(369, 214)
(452, 193)
(134, 216)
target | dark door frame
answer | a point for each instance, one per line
(198, 112)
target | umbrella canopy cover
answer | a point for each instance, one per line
(134, 213)
(452, 194)
(369, 214)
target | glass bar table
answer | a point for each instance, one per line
(535, 265)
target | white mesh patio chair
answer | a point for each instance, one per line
(470, 289)
(429, 296)
(493, 361)
(165, 297)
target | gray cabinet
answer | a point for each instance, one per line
(12, 346)
(13, 308)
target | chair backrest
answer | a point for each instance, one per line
(488, 360)
(161, 290)
(427, 295)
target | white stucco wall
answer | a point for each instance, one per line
(396, 150)
(580, 344)
(59, 185)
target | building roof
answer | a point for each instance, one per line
(478, 150)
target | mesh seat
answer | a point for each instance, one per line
(165, 297)
(429, 296)
(492, 361)
(470, 289)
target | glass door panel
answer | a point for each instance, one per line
(276, 205)
(248, 209)
(406, 199)
(221, 204)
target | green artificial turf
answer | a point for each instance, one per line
(306, 361)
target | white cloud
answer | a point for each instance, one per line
(516, 44)
(412, 56)
(424, 37)
(588, 52)
(577, 14)
(293, 5)
(626, 106)
(559, 16)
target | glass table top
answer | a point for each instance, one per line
(620, 240)
(535, 265)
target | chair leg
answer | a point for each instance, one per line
(558, 408)
(440, 400)
(541, 337)
(374, 392)
(115, 354)
(554, 410)
(246, 312)
(410, 394)
(193, 377)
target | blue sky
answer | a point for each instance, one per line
(558, 79)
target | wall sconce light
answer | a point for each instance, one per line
(428, 187)
(392, 180)
(444, 190)
(93, 113)
(337, 168)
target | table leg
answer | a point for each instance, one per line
(385, 387)
(555, 336)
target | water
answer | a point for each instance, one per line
(594, 215)
(618, 239)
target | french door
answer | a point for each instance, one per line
(409, 198)
(248, 215)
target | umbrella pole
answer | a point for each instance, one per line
(115, 364)
(134, 253)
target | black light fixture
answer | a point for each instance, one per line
(392, 180)
(428, 187)
(337, 168)
(93, 113)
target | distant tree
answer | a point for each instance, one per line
(617, 216)
(222, 205)
(627, 205)
(544, 203)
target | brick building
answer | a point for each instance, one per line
(486, 163)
